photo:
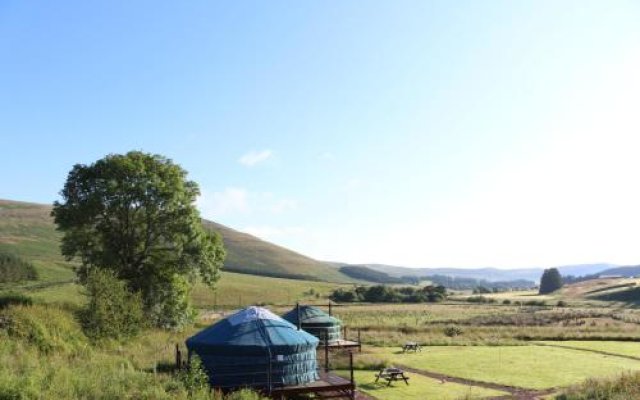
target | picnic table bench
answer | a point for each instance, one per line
(391, 375)
(411, 346)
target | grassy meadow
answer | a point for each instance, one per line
(420, 387)
(532, 367)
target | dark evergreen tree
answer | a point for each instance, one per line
(550, 281)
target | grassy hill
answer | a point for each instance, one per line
(27, 230)
(248, 254)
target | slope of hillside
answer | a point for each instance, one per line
(248, 254)
(27, 229)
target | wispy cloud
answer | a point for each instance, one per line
(255, 157)
(235, 201)
(230, 201)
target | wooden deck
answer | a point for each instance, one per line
(329, 386)
(343, 344)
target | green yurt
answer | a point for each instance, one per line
(316, 322)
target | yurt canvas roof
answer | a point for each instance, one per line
(249, 330)
(312, 316)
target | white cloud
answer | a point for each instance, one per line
(230, 201)
(278, 206)
(255, 157)
(235, 201)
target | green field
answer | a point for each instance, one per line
(630, 349)
(420, 387)
(232, 291)
(534, 367)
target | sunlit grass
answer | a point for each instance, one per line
(419, 388)
(536, 367)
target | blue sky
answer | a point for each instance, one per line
(418, 133)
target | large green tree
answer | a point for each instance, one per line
(550, 281)
(135, 215)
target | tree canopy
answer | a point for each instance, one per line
(550, 281)
(135, 215)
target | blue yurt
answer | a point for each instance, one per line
(255, 348)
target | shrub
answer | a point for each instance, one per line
(112, 311)
(538, 303)
(244, 394)
(171, 305)
(506, 301)
(15, 269)
(47, 328)
(480, 299)
(194, 378)
(627, 386)
(14, 299)
(453, 331)
(561, 303)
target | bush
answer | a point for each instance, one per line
(15, 269)
(480, 299)
(112, 311)
(561, 303)
(506, 301)
(9, 299)
(625, 387)
(244, 394)
(453, 331)
(539, 303)
(170, 307)
(194, 378)
(47, 328)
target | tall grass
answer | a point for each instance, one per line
(626, 387)
(45, 355)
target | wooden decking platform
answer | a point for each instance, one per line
(342, 344)
(329, 386)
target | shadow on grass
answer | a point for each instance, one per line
(373, 386)
(163, 367)
(631, 296)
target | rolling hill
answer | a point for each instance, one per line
(487, 273)
(27, 230)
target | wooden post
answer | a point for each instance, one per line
(344, 332)
(326, 354)
(178, 357)
(298, 313)
(351, 366)
(359, 342)
(330, 314)
(353, 383)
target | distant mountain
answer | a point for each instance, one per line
(27, 230)
(585, 269)
(627, 271)
(488, 273)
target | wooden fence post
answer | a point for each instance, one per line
(326, 353)
(178, 357)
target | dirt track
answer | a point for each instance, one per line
(515, 392)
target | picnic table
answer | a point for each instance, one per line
(411, 346)
(391, 375)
